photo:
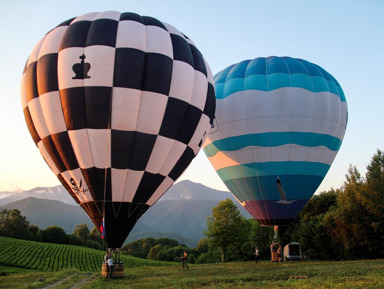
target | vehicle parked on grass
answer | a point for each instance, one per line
(292, 251)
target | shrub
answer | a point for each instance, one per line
(75, 240)
(54, 234)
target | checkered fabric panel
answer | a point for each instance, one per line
(118, 105)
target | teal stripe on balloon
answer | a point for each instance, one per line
(219, 89)
(233, 85)
(255, 82)
(272, 139)
(302, 81)
(321, 84)
(276, 81)
(273, 168)
(260, 188)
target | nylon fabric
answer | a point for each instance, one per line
(280, 123)
(119, 105)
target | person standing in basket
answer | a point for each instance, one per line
(110, 267)
(106, 257)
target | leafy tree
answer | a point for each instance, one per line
(350, 216)
(146, 245)
(167, 242)
(82, 231)
(225, 228)
(241, 247)
(373, 195)
(54, 234)
(150, 248)
(95, 235)
(358, 219)
(153, 252)
(346, 223)
(202, 246)
(139, 248)
(75, 240)
(14, 225)
(319, 204)
(260, 237)
(209, 257)
(191, 259)
(166, 253)
(93, 244)
(373, 200)
(310, 228)
(35, 230)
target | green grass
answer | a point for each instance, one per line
(25, 264)
(352, 274)
(55, 257)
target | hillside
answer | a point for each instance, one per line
(184, 190)
(187, 190)
(44, 213)
(57, 193)
(54, 257)
(180, 214)
(133, 236)
(185, 217)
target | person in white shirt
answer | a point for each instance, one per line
(257, 255)
(110, 266)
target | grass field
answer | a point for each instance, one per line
(55, 257)
(352, 274)
(25, 264)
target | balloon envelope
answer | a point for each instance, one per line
(280, 124)
(118, 105)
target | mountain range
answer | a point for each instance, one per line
(180, 214)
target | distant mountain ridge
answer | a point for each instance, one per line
(180, 214)
(44, 213)
(184, 190)
(58, 193)
(187, 190)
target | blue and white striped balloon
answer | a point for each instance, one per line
(280, 124)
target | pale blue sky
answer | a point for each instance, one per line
(345, 37)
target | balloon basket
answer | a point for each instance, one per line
(118, 270)
(275, 257)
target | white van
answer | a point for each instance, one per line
(292, 251)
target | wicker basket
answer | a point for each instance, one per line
(118, 270)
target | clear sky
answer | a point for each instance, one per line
(345, 37)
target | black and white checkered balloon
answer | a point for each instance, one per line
(118, 105)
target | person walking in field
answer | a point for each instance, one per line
(279, 253)
(184, 260)
(257, 255)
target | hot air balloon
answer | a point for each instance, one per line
(280, 123)
(118, 105)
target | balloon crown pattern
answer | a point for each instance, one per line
(81, 69)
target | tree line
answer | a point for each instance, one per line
(14, 225)
(342, 224)
(347, 223)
